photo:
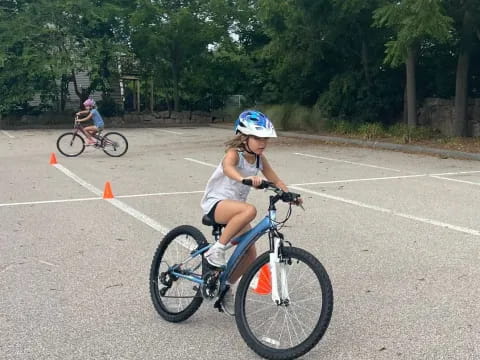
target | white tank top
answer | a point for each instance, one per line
(221, 187)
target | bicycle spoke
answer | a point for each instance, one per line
(294, 315)
(261, 309)
(261, 302)
(309, 299)
(263, 322)
(271, 325)
(293, 326)
(303, 308)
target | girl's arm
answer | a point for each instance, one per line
(86, 118)
(229, 164)
(271, 175)
(83, 112)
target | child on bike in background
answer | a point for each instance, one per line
(92, 113)
(225, 196)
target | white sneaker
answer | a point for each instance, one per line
(216, 257)
(228, 302)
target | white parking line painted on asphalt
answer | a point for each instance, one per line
(117, 203)
(392, 212)
(8, 134)
(347, 162)
(458, 173)
(80, 181)
(138, 215)
(200, 162)
(170, 131)
(437, 176)
(161, 194)
(100, 198)
(358, 180)
(377, 208)
(48, 201)
(456, 180)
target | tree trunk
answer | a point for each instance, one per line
(83, 93)
(461, 95)
(411, 88)
(176, 63)
(176, 96)
(365, 64)
(63, 91)
(151, 95)
(461, 81)
(169, 106)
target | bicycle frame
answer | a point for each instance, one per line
(79, 128)
(243, 242)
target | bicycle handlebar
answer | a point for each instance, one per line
(284, 196)
(263, 185)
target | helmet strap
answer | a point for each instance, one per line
(247, 148)
(257, 158)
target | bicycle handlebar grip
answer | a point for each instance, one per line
(263, 185)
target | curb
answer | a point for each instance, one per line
(377, 144)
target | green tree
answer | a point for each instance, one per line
(467, 20)
(415, 23)
(172, 38)
(53, 39)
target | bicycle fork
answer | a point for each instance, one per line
(278, 267)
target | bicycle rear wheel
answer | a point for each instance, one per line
(70, 144)
(176, 299)
(114, 144)
(293, 328)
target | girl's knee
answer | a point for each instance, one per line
(250, 211)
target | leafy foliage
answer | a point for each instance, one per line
(341, 57)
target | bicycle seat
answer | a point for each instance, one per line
(208, 221)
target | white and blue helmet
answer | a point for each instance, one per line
(252, 122)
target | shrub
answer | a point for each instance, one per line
(371, 131)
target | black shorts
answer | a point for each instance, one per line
(211, 213)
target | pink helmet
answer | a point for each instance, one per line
(89, 102)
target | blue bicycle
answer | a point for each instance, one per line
(283, 302)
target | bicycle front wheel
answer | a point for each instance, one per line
(70, 144)
(293, 327)
(114, 144)
(175, 298)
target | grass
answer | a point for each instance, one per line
(297, 117)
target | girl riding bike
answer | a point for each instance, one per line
(92, 113)
(225, 196)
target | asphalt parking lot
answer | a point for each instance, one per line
(399, 235)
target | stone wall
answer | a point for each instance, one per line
(161, 118)
(65, 119)
(440, 113)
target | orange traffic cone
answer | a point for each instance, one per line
(264, 284)
(107, 192)
(53, 159)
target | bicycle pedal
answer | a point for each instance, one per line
(218, 305)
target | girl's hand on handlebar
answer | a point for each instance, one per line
(299, 202)
(256, 180)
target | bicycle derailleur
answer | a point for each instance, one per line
(211, 284)
(166, 279)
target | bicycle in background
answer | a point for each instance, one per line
(73, 143)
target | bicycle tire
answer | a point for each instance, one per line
(319, 329)
(75, 139)
(109, 149)
(157, 298)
